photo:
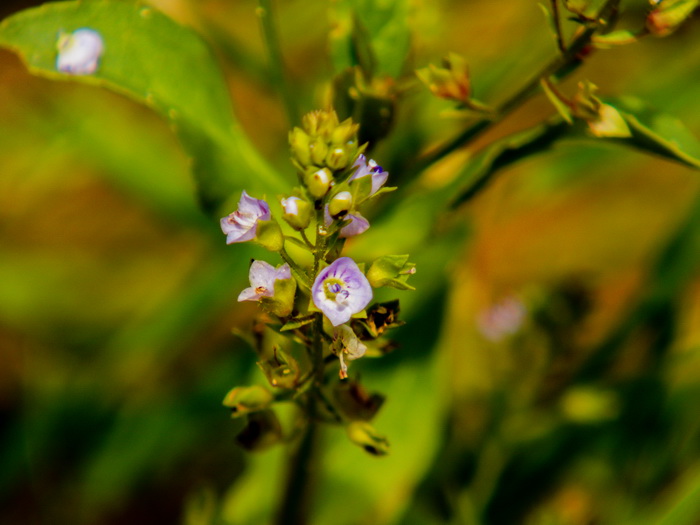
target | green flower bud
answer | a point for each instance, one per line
(364, 435)
(269, 235)
(340, 157)
(320, 123)
(297, 212)
(669, 15)
(244, 400)
(392, 271)
(340, 204)
(344, 133)
(603, 119)
(299, 143)
(318, 150)
(318, 181)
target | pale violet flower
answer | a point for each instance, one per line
(341, 290)
(358, 224)
(262, 280)
(242, 224)
(346, 345)
(502, 319)
(370, 169)
(79, 52)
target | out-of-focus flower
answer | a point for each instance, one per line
(369, 169)
(341, 290)
(346, 345)
(502, 319)
(262, 277)
(79, 52)
(603, 119)
(451, 81)
(241, 225)
(358, 224)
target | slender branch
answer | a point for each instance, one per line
(276, 61)
(306, 240)
(557, 25)
(559, 67)
(299, 487)
(294, 266)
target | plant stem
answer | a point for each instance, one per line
(298, 492)
(559, 67)
(294, 266)
(306, 240)
(296, 502)
(557, 25)
(274, 51)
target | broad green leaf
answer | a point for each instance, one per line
(372, 34)
(153, 60)
(652, 132)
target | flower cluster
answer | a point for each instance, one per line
(323, 305)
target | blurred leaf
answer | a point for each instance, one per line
(373, 34)
(157, 62)
(512, 149)
(660, 134)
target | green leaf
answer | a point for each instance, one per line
(657, 133)
(153, 60)
(296, 323)
(562, 109)
(651, 132)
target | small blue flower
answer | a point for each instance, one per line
(242, 224)
(341, 290)
(358, 224)
(370, 169)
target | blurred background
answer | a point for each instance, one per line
(548, 373)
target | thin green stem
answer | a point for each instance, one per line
(307, 241)
(559, 67)
(557, 25)
(274, 51)
(295, 267)
(298, 492)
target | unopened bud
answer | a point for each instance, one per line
(320, 123)
(318, 182)
(344, 133)
(297, 212)
(244, 400)
(338, 158)
(340, 204)
(392, 271)
(318, 150)
(299, 143)
(450, 81)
